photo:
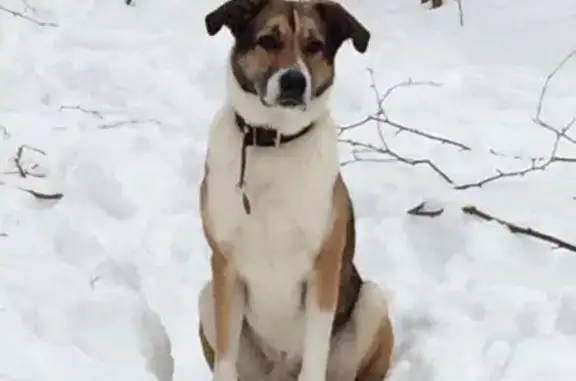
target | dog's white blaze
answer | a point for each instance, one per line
(308, 92)
(290, 192)
(273, 87)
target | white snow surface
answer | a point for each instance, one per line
(103, 284)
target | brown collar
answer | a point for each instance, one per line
(260, 136)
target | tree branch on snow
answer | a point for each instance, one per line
(95, 113)
(438, 3)
(474, 211)
(538, 117)
(538, 163)
(17, 160)
(535, 166)
(460, 12)
(361, 149)
(28, 7)
(394, 157)
(122, 123)
(434, 3)
(5, 133)
(111, 125)
(42, 195)
(423, 210)
(39, 195)
(27, 18)
(380, 117)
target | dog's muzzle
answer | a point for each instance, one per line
(292, 84)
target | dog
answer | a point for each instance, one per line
(285, 301)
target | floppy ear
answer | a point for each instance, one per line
(341, 25)
(235, 14)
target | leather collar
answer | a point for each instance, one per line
(261, 136)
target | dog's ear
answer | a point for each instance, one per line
(235, 14)
(341, 25)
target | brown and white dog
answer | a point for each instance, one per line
(285, 301)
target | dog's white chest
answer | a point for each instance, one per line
(274, 247)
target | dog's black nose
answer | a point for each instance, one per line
(292, 85)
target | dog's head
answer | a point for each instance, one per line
(284, 51)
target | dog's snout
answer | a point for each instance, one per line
(292, 84)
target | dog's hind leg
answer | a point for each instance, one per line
(362, 350)
(252, 365)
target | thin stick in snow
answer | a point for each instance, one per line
(27, 18)
(534, 167)
(539, 164)
(474, 211)
(538, 117)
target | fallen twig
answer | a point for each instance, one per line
(387, 151)
(434, 3)
(421, 210)
(474, 211)
(460, 12)
(552, 158)
(42, 195)
(28, 7)
(95, 113)
(20, 170)
(538, 117)
(5, 132)
(27, 18)
(107, 126)
(561, 134)
(361, 149)
(380, 116)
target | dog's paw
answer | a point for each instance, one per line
(225, 372)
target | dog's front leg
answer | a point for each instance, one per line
(322, 295)
(228, 312)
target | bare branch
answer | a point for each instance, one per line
(474, 211)
(28, 7)
(5, 132)
(422, 210)
(381, 117)
(27, 18)
(438, 3)
(460, 12)
(42, 195)
(360, 150)
(39, 195)
(17, 160)
(122, 123)
(538, 117)
(434, 3)
(538, 163)
(95, 113)
(387, 151)
(552, 158)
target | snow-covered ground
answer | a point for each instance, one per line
(102, 284)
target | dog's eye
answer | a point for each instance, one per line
(269, 43)
(314, 46)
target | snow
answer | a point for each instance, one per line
(103, 283)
